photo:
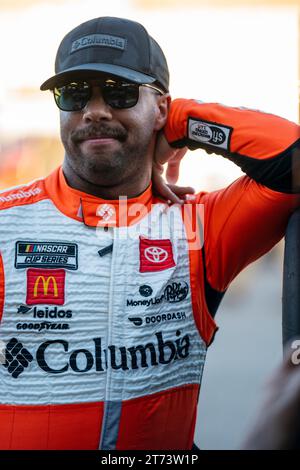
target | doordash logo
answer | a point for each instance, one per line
(45, 286)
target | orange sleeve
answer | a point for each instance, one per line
(266, 147)
(241, 223)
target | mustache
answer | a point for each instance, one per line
(101, 131)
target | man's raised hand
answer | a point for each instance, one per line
(164, 153)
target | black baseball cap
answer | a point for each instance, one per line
(115, 46)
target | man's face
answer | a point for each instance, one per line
(107, 146)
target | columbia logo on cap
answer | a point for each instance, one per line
(102, 40)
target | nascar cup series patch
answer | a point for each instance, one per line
(46, 255)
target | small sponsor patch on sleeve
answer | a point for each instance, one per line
(212, 134)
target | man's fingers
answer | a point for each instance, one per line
(163, 151)
(169, 195)
(170, 192)
(173, 193)
(172, 172)
(181, 190)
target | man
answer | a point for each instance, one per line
(107, 292)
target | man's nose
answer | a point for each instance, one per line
(96, 109)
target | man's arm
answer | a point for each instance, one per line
(245, 220)
(266, 147)
(242, 222)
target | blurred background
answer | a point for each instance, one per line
(237, 52)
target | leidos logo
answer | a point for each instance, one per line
(55, 357)
(45, 286)
(43, 313)
(46, 312)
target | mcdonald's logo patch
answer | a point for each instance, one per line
(45, 286)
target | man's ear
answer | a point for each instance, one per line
(163, 105)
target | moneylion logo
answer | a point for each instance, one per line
(145, 290)
(174, 292)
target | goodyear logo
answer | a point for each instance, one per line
(45, 286)
(46, 255)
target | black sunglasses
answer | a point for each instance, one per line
(74, 96)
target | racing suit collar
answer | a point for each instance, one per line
(94, 211)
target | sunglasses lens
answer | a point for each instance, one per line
(72, 97)
(121, 96)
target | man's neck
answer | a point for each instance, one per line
(131, 190)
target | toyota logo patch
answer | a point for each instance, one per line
(155, 255)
